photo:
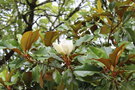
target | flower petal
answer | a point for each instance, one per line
(67, 46)
(71, 46)
(64, 47)
(58, 48)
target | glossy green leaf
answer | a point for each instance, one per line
(69, 80)
(87, 67)
(130, 67)
(131, 33)
(35, 74)
(100, 53)
(57, 76)
(127, 15)
(84, 73)
(83, 39)
(112, 5)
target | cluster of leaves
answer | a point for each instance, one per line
(104, 54)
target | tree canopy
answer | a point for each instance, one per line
(67, 44)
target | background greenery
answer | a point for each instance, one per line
(103, 34)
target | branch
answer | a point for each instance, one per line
(30, 20)
(6, 58)
(59, 14)
(48, 1)
(112, 30)
(58, 25)
(74, 11)
(32, 6)
(28, 2)
(5, 26)
(71, 14)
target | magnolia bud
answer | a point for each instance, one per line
(64, 47)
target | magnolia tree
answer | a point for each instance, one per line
(67, 45)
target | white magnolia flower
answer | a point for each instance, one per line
(64, 47)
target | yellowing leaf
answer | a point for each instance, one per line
(61, 87)
(110, 0)
(41, 82)
(116, 54)
(28, 39)
(105, 29)
(1, 81)
(17, 51)
(121, 10)
(131, 56)
(99, 6)
(27, 78)
(48, 76)
(50, 37)
(77, 26)
(109, 21)
(9, 75)
(88, 18)
(113, 58)
(106, 62)
(127, 2)
(105, 14)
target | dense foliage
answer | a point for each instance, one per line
(67, 45)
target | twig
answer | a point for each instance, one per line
(112, 30)
(7, 57)
(75, 10)
(48, 1)
(70, 15)
(59, 14)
